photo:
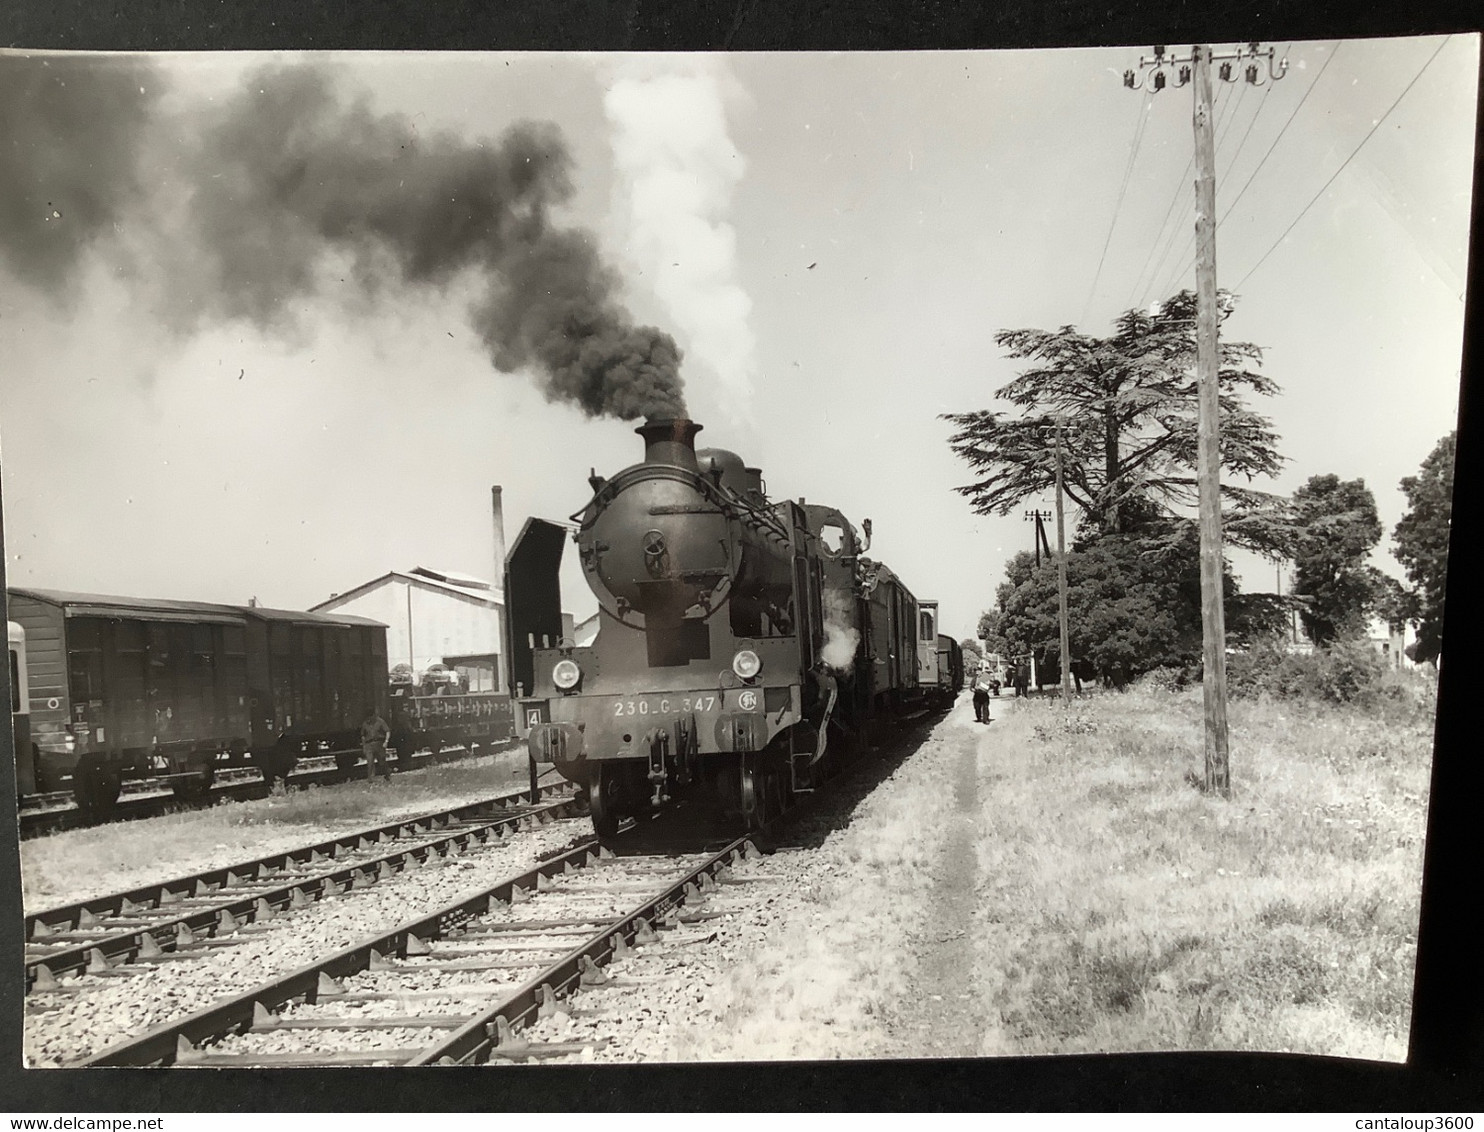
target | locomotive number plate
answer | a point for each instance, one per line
(679, 704)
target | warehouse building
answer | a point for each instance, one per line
(433, 617)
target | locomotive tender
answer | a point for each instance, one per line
(741, 642)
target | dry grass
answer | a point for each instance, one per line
(85, 862)
(1122, 909)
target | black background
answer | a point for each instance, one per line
(1443, 1072)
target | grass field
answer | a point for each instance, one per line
(1109, 905)
(1122, 909)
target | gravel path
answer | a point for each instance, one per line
(940, 1018)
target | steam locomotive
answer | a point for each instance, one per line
(742, 643)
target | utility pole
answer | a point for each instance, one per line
(1061, 580)
(1039, 517)
(1208, 436)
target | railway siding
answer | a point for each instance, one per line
(177, 919)
(94, 1011)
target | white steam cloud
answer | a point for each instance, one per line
(678, 168)
(841, 637)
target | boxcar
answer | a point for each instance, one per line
(950, 666)
(175, 691)
(131, 687)
(904, 646)
(310, 679)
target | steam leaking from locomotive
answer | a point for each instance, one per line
(841, 638)
(286, 192)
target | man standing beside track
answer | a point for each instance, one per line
(374, 733)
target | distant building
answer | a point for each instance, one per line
(1392, 645)
(583, 632)
(433, 617)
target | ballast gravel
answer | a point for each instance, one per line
(76, 865)
(96, 1012)
(802, 954)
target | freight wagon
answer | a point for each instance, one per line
(175, 691)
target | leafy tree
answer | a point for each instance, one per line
(1128, 408)
(973, 654)
(1391, 601)
(990, 630)
(1338, 530)
(1133, 602)
(1422, 543)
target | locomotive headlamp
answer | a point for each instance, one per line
(566, 674)
(746, 664)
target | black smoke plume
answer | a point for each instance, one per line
(286, 190)
(70, 140)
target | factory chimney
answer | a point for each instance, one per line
(497, 579)
(499, 517)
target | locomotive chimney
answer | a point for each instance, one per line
(670, 441)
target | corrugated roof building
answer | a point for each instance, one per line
(432, 616)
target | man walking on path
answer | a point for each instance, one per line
(374, 733)
(981, 700)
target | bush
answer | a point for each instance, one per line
(1348, 672)
(1164, 679)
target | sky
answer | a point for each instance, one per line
(210, 391)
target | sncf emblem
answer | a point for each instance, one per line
(747, 701)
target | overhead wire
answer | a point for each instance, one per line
(1323, 188)
(1310, 90)
(1252, 121)
(1158, 235)
(1186, 259)
(1169, 241)
(1139, 124)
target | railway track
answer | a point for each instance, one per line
(44, 814)
(564, 960)
(191, 915)
(463, 985)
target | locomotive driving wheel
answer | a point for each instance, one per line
(610, 797)
(752, 788)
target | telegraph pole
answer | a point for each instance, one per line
(1061, 580)
(1039, 538)
(1208, 435)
